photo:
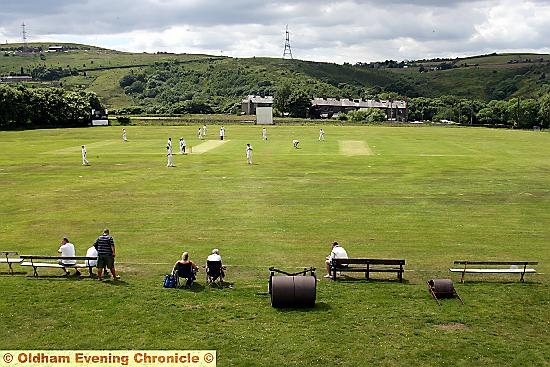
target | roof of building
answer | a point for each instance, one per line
(258, 99)
(358, 103)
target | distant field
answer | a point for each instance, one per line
(429, 195)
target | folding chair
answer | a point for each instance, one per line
(214, 272)
(184, 270)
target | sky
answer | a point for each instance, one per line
(320, 30)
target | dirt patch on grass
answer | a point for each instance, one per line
(354, 147)
(451, 326)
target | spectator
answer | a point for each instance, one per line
(185, 260)
(337, 252)
(215, 256)
(105, 246)
(67, 250)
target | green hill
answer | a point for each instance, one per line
(155, 81)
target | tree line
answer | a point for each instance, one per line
(28, 108)
(516, 112)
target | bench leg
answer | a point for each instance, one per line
(462, 277)
(11, 269)
(35, 272)
(523, 274)
(367, 273)
(400, 274)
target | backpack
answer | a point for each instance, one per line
(169, 281)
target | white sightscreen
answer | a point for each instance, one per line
(264, 115)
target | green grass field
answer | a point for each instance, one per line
(429, 195)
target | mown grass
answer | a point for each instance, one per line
(428, 195)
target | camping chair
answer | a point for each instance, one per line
(186, 271)
(214, 272)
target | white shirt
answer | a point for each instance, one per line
(214, 257)
(91, 252)
(222, 131)
(248, 151)
(67, 250)
(338, 253)
(83, 152)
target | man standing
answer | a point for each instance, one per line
(199, 134)
(248, 153)
(84, 160)
(105, 246)
(222, 132)
(124, 135)
(170, 142)
(321, 134)
(337, 252)
(204, 130)
(182, 146)
(67, 250)
(170, 163)
(264, 133)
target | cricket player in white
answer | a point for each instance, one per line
(84, 160)
(182, 146)
(295, 143)
(199, 134)
(169, 155)
(124, 135)
(169, 143)
(264, 133)
(248, 153)
(204, 130)
(222, 132)
(321, 134)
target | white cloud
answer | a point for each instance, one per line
(324, 30)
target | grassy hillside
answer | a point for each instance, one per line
(173, 78)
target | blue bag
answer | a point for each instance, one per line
(169, 281)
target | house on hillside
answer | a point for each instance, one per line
(56, 49)
(329, 107)
(250, 103)
(15, 79)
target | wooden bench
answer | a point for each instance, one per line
(6, 259)
(514, 267)
(40, 261)
(367, 266)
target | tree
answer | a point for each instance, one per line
(544, 111)
(281, 97)
(299, 103)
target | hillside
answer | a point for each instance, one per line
(155, 81)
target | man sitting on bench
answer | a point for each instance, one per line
(337, 252)
(67, 250)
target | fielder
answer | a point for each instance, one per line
(84, 160)
(248, 154)
(170, 163)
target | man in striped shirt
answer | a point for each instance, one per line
(105, 246)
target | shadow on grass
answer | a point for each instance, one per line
(348, 279)
(195, 287)
(14, 273)
(319, 307)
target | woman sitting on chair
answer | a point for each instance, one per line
(185, 268)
